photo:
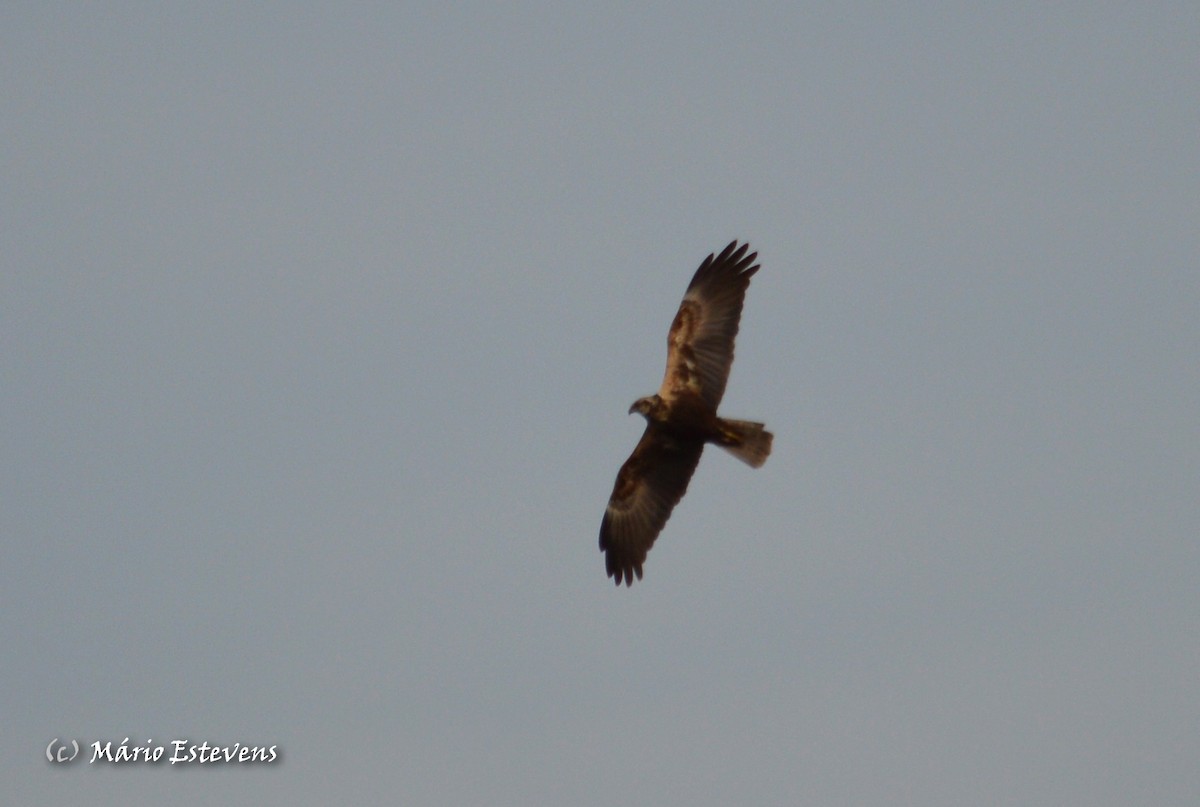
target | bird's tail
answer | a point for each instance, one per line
(749, 442)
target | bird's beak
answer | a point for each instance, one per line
(633, 407)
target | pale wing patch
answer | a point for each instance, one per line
(683, 371)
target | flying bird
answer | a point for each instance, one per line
(682, 416)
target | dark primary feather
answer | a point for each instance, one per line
(700, 342)
(649, 485)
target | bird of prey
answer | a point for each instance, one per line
(682, 416)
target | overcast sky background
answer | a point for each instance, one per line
(320, 323)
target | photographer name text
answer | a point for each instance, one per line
(175, 752)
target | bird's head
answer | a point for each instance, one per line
(647, 406)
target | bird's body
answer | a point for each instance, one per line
(682, 416)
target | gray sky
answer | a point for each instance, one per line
(320, 324)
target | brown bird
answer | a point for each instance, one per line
(682, 416)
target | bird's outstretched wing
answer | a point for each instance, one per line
(649, 485)
(700, 342)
